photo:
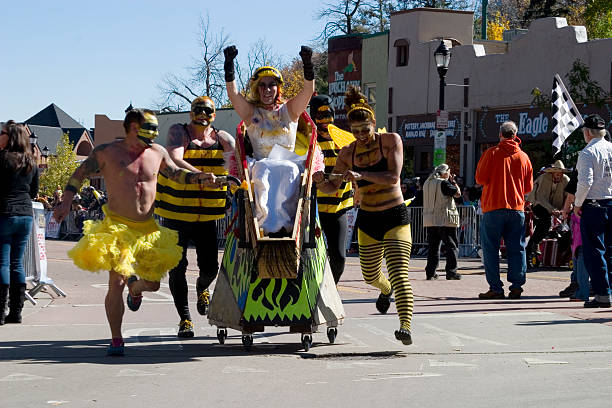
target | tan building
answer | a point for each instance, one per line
(501, 76)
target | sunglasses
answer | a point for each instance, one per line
(206, 109)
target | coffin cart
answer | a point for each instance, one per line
(270, 281)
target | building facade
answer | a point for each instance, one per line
(495, 82)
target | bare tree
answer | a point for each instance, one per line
(260, 54)
(339, 18)
(204, 77)
(376, 14)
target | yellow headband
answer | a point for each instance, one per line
(360, 106)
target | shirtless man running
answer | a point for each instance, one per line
(128, 242)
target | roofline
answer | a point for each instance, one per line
(361, 35)
(433, 10)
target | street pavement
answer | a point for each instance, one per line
(539, 351)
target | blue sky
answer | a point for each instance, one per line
(95, 57)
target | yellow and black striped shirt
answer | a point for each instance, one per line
(193, 202)
(342, 199)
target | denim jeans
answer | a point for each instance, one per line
(596, 233)
(582, 276)
(14, 234)
(509, 225)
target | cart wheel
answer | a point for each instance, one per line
(247, 341)
(306, 341)
(332, 332)
(221, 335)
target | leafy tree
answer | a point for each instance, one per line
(595, 15)
(546, 8)
(581, 87)
(496, 27)
(59, 167)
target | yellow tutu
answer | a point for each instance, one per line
(127, 247)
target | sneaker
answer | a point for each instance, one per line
(203, 302)
(491, 294)
(185, 328)
(133, 302)
(515, 293)
(404, 336)
(595, 303)
(116, 348)
(570, 290)
(383, 302)
(453, 276)
(433, 277)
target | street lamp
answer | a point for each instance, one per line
(33, 141)
(442, 57)
(45, 152)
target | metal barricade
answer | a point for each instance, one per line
(35, 257)
(468, 233)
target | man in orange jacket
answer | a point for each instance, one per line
(506, 175)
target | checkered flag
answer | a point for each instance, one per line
(566, 117)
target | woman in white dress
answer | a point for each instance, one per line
(271, 124)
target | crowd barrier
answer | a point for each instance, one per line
(35, 256)
(468, 233)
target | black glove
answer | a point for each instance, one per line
(228, 66)
(306, 54)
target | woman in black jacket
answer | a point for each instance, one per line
(19, 175)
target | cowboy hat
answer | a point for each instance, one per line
(557, 167)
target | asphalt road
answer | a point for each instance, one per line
(539, 351)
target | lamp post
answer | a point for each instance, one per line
(442, 57)
(33, 141)
(45, 155)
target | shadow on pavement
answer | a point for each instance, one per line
(146, 350)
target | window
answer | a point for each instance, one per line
(401, 53)
(370, 93)
(390, 101)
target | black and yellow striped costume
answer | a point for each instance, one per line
(192, 210)
(332, 211)
(385, 233)
(192, 202)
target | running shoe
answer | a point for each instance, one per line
(383, 302)
(116, 348)
(133, 301)
(203, 302)
(404, 336)
(185, 328)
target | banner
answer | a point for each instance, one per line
(53, 227)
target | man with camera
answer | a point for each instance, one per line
(441, 219)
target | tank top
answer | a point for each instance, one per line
(380, 165)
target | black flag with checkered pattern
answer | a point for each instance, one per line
(565, 118)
